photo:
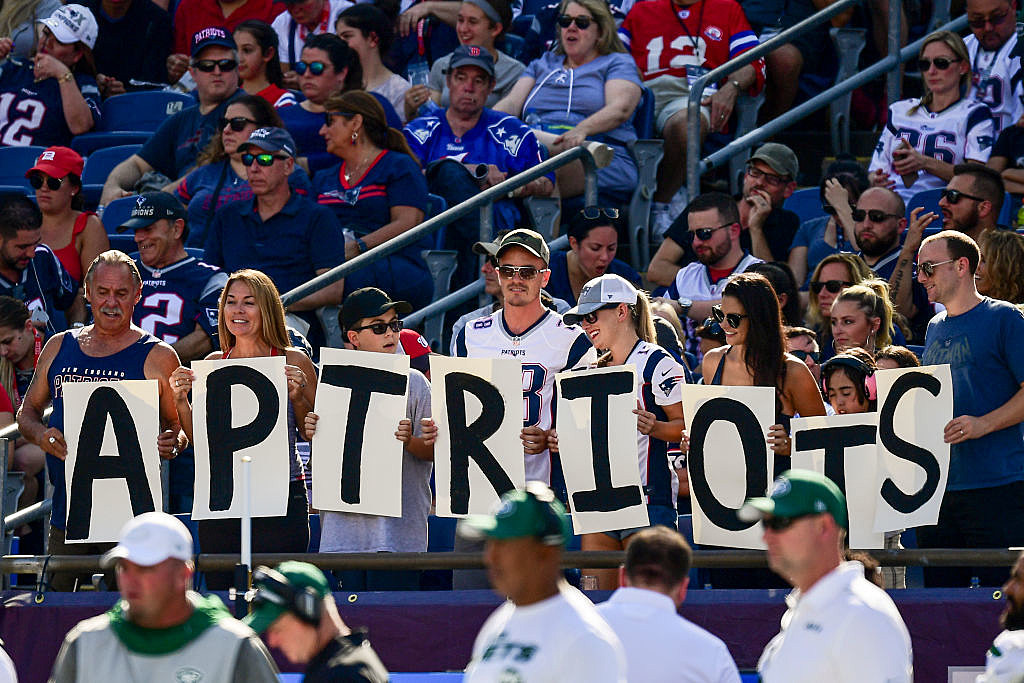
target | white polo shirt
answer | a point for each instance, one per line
(662, 646)
(844, 629)
(1004, 661)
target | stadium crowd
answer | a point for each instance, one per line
(313, 131)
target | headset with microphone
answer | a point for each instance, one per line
(273, 587)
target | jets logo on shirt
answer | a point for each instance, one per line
(188, 675)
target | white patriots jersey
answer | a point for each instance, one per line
(548, 347)
(659, 383)
(996, 80)
(963, 131)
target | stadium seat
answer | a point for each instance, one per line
(529, 28)
(929, 199)
(87, 143)
(1006, 213)
(14, 161)
(314, 534)
(116, 213)
(685, 527)
(98, 166)
(805, 203)
(647, 153)
(142, 111)
(514, 46)
(440, 539)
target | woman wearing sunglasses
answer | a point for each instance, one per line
(617, 319)
(924, 138)
(259, 64)
(377, 193)
(328, 67)
(220, 176)
(75, 236)
(587, 88)
(593, 241)
(832, 275)
(251, 325)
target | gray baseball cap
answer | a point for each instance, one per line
(599, 292)
(781, 158)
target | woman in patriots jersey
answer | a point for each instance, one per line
(617, 320)
(925, 138)
(220, 176)
(377, 192)
(53, 97)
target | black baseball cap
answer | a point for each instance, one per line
(472, 55)
(211, 35)
(151, 207)
(368, 302)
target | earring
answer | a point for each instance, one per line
(355, 136)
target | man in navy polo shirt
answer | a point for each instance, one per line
(289, 237)
(174, 147)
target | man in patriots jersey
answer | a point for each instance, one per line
(468, 147)
(674, 42)
(179, 292)
(995, 59)
(31, 272)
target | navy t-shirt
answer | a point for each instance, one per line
(176, 144)
(33, 113)
(44, 284)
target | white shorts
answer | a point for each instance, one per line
(672, 94)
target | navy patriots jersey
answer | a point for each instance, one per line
(177, 297)
(32, 113)
(44, 285)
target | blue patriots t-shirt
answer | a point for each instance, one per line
(178, 297)
(176, 144)
(44, 284)
(33, 113)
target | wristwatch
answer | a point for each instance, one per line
(685, 304)
(361, 245)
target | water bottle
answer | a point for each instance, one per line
(418, 71)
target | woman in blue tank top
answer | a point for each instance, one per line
(251, 325)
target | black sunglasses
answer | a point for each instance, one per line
(315, 68)
(704, 234)
(381, 328)
(36, 181)
(208, 65)
(265, 160)
(834, 286)
(591, 317)
(803, 355)
(582, 22)
(994, 20)
(237, 123)
(734, 319)
(941, 63)
(592, 213)
(329, 116)
(776, 523)
(954, 196)
(876, 215)
(524, 272)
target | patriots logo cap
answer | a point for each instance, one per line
(607, 289)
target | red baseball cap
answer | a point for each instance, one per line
(416, 347)
(57, 162)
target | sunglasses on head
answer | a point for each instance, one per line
(954, 196)
(994, 20)
(734, 319)
(941, 63)
(776, 523)
(928, 268)
(36, 180)
(876, 215)
(591, 317)
(524, 272)
(833, 286)
(266, 159)
(582, 22)
(381, 328)
(315, 68)
(329, 116)
(704, 234)
(237, 123)
(803, 355)
(592, 213)
(208, 65)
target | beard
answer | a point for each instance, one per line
(714, 254)
(872, 247)
(1012, 618)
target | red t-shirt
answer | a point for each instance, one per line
(195, 15)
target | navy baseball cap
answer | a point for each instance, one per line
(270, 139)
(472, 55)
(151, 207)
(211, 35)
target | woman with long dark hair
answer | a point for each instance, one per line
(370, 32)
(259, 64)
(781, 277)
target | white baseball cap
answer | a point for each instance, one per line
(599, 292)
(151, 538)
(73, 24)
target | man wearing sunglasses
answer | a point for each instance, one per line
(994, 62)
(972, 200)
(176, 144)
(286, 235)
(983, 506)
(803, 343)
(839, 627)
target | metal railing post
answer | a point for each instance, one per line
(486, 235)
(893, 81)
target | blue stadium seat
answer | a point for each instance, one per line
(1006, 213)
(440, 534)
(125, 243)
(514, 46)
(805, 203)
(116, 213)
(436, 205)
(929, 199)
(643, 117)
(98, 166)
(87, 143)
(14, 161)
(685, 526)
(314, 534)
(142, 111)
(529, 28)
(19, 190)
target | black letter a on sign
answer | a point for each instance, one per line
(225, 440)
(105, 402)
(468, 440)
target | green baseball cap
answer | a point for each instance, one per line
(276, 591)
(527, 239)
(796, 493)
(522, 513)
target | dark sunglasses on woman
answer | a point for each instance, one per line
(36, 181)
(833, 286)
(582, 22)
(734, 319)
(941, 63)
(315, 68)
(237, 123)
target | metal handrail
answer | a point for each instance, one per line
(11, 431)
(593, 155)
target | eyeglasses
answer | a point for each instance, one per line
(994, 20)
(776, 523)
(803, 355)
(263, 160)
(208, 65)
(833, 286)
(704, 234)
(315, 68)
(592, 213)
(876, 215)
(329, 116)
(493, 260)
(734, 319)
(381, 328)
(237, 123)
(770, 178)
(36, 181)
(928, 268)
(941, 63)
(524, 272)
(954, 196)
(831, 210)
(582, 22)
(591, 317)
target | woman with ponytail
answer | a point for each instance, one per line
(862, 317)
(377, 192)
(617, 319)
